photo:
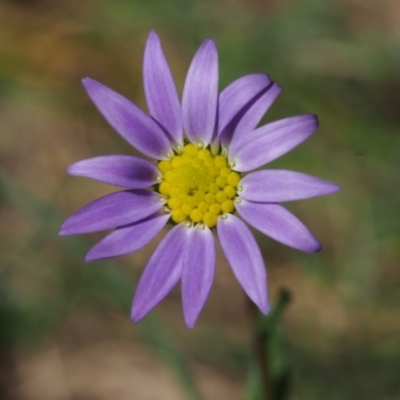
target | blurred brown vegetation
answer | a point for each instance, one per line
(65, 331)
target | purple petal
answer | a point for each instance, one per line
(273, 186)
(245, 259)
(200, 94)
(254, 114)
(115, 209)
(279, 224)
(235, 99)
(136, 127)
(162, 272)
(129, 238)
(271, 141)
(162, 97)
(197, 272)
(125, 171)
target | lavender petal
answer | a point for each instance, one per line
(271, 141)
(244, 256)
(129, 238)
(136, 127)
(253, 115)
(197, 273)
(126, 171)
(235, 99)
(162, 97)
(200, 94)
(278, 223)
(112, 210)
(276, 185)
(161, 273)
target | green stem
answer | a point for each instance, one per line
(260, 350)
(264, 329)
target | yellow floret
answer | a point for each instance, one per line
(190, 149)
(178, 216)
(185, 158)
(191, 201)
(233, 179)
(187, 209)
(209, 198)
(164, 188)
(210, 219)
(214, 171)
(203, 154)
(196, 163)
(225, 171)
(174, 191)
(229, 191)
(196, 215)
(208, 162)
(176, 162)
(203, 206)
(220, 161)
(164, 166)
(220, 196)
(169, 175)
(215, 208)
(221, 181)
(199, 196)
(213, 188)
(198, 186)
(227, 206)
(174, 203)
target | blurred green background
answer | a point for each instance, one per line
(65, 331)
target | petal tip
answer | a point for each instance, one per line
(65, 228)
(136, 316)
(313, 246)
(89, 257)
(265, 309)
(71, 169)
(153, 38)
(87, 81)
(209, 45)
(92, 86)
(262, 303)
(135, 319)
(336, 188)
(209, 41)
(268, 76)
(317, 248)
(190, 320)
(190, 325)
(316, 120)
(330, 189)
(89, 85)
(311, 118)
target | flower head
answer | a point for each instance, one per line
(203, 151)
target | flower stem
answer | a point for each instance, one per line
(260, 350)
(273, 384)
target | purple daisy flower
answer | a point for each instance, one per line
(203, 151)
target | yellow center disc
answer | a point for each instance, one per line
(198, 186)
